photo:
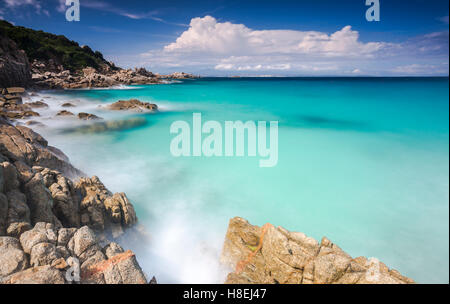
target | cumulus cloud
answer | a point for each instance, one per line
(207, 35)
(224, 47)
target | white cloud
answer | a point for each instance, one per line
(421, 69)
(226, 47)
(14, 4)
(207, 35)
(17, 3)
(211, 47)
(257, 67)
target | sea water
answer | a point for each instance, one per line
(363, 161)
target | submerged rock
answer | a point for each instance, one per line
(134, 105)
(88, 116)
(34, 123)
(37, 104)
(270, 255)
(65, 113)
(117, 125)
(67, 105)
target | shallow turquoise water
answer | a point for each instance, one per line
(364, 162)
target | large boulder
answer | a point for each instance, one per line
(120, 269)
(66, 204)
(12, 258)
(44, 254)
(36, 275)
(41, 233)
(270, 255)
(101, 210)
(40, 201)
(83, 239)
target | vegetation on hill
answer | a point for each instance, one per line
(44, 46)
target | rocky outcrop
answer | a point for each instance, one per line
(133, 105)
(14, 66)
(73, 220)
(270, 255)
(89, 77)
(59, 78)
(50, 255)
(180, 75)
(38, 188)
(102, 210)
(23, 145)
(11, 106)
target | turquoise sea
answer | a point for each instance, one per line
(363, 161)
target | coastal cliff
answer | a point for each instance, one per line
(273, 255)
(56, 225)
(14, 65)
(41, 60)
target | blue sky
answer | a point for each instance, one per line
(313, 38)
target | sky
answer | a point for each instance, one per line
(254, 38)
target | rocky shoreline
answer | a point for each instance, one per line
(54, 220)
(92, 78)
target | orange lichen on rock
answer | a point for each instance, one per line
(105, 265)
(241, 265)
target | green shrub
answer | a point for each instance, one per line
(44, 46)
